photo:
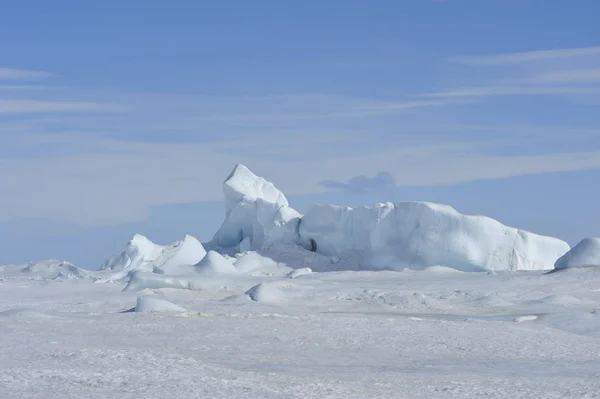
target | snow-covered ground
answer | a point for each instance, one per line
(437, 333)
(405, 300)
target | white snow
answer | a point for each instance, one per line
(138, 252)
(260, 324)
(43, 270)
(584, 254)
(304, 271)
(179, 257)
(256, 264)
(154, 304)
(420, 234)
(365, 334)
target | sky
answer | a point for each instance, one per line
(125, 117)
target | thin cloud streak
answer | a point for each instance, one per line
(528, 56)
(569, 76)
(38, 106)
(489, 91)
(24, 74)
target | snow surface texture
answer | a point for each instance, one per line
(584, 254)
(383, 334)
(386, 236)
(43, 270)
(141, 254)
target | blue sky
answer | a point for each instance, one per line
(124, 117)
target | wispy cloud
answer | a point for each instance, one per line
(361, 184)
(279, 109)
(110, 185)
(529, 56)
(569, 76)
(24, 74)
(37, 106)
(487, 91)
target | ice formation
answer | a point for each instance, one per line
(154, 304)
(215, 263)
(420, 234)
(385, 236)
(256, 213)
(44, 270)
(141, 254)
(584, 254)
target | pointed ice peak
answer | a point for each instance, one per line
(243, 185)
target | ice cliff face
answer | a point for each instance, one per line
(257, 214)
(584, 254)
(420, 234)
(391, 236)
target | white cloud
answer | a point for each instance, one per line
(23, 74)
(39, 106)
(569, 76)
(529, 56)
(121, 181)
(488, 91)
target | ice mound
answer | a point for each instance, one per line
(146, 280)
(44, 270)
(179, 257)
(215, 263)
(154, 304)
(256, 213)
(584, 254)
(267, 292)
(299, 272)
(421, 234)
(255, 263)
(137, 253)
(141, 254)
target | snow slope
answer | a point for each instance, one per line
(584, 254)
(385, 236)
(43, 269)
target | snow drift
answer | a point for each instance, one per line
(385, 236)
(584, 254)
(153, 304)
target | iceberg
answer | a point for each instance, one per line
(393, 236)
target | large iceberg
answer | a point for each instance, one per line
(584, 254)
(385, 236)
(420, 234)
